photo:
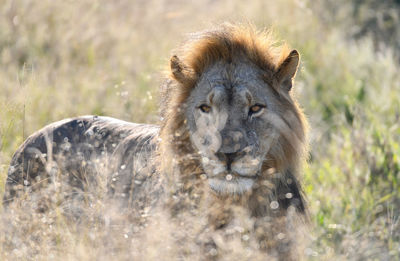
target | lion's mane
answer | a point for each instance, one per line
(280, 170)
(196, 55)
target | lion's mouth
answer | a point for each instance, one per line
(231, 183)
(231, 176)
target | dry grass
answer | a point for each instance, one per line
(66, 58)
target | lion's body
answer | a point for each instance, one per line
(86, 151)
(231, 132)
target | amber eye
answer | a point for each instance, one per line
(205, 108)
(256, 108)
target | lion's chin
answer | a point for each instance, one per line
(234, 186)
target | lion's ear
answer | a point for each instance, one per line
(179, 70)
(287, 70)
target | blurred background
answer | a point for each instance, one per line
(61, 59)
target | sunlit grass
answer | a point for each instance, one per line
(61, 59)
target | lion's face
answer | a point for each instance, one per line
(230, 120)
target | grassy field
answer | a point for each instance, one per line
(60, 59)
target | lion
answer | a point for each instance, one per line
(231, 131)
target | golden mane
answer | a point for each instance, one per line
(232, 40)
(229, 41)
(180, 164)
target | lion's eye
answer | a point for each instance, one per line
(256, 108)
(205, 108)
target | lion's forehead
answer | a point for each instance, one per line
(233, 86)
(231, 74)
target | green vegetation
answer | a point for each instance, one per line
(60, 59)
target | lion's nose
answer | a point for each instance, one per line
(232, 141)
(228, 158)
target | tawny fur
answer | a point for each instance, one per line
(172, 169)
